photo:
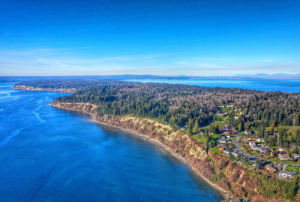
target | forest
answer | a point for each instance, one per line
(180, 105)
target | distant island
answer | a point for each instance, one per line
(146, 76)
(244, 142)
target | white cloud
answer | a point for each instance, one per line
(70, 62)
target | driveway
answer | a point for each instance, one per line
(235, 142)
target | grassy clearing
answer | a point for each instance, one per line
(199, 138)
(215, 150)
(215, 123)
(292, 168)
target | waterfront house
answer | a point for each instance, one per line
(226, 152)
(270, 168)
(287, 174)
(284, 157)
(235, 154)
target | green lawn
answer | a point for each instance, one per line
(215, 123)
(278, 161)
(219, 118)
(292, 168)
(215, 150)
(199, 138)
(202, 138)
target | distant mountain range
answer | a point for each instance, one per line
(269, 76)
(147, 76)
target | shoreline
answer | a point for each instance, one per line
(224, 194)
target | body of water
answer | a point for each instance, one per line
(285, 85)
(50, 154)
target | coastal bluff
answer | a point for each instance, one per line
(30, 88)
(233, 182)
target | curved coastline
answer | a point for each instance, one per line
(221, 192)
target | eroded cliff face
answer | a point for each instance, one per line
(236, 180)
(29, 88)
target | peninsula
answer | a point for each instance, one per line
(244, 142)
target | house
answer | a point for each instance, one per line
(226, 129)
(270, 168)
(270, 149)
(227, 133)
(222, 141)
(287, 174)
(295, 156)
(248, 132)
(182, 128)
(241, 113)
(236, 117)
(263, 150)
(226, 152)
(252, 143)
(255, 148)
(284, 157)
(235, 154)
(250, 138)
(283, 149)
(223, 137)
(234, 131)
(260, 140)
(222, 146)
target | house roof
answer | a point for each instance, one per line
(284, 156)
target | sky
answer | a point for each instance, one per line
(166, 37)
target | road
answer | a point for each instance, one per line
(235, 142)
(226, 117)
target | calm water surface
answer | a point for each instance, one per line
(285, 85)
(49, 154)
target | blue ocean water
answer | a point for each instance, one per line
(285, 85)
(50, 154)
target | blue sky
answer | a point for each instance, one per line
(201, 38)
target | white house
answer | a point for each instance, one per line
(287, 174)
(295, 156)
(252, 143)
(260, 140)
(226, 152)
(222, 141)
(235, 154)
